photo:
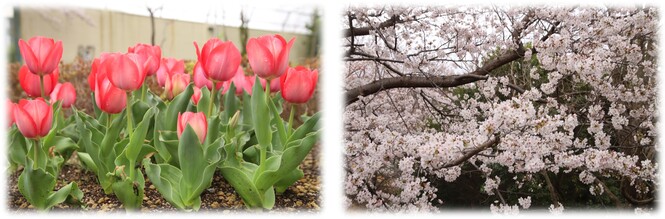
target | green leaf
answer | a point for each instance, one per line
(70, 191)
(230, 104)
(309, 126)
(288, 180)
(130, 192)
(87, 160)
(243, 186)
(260, 115)
(36, 185)
(204, 101)
(178, 105)
(18, 148)
(289, 160)
(166, 179)
(136, 142)
(192, 162)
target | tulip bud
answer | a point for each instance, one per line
(97, 67)
(64, 92)
(126, 71)
(269, 55)
(298, 84)
(176, 84)
(34, 118)
(234, 120)
(30, 82)
(150, 56)
(219, 60)
(197, 121)
(42, 55)
(196, 96)
(169, 67)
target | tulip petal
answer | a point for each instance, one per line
(53, 58)
(24, 123)
(29, 56)
(260, 58)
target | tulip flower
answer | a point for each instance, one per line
(10, 110)
(34, 118)
(298, 84)
(97, 66)
(64, 92)
(196, 96)
(126, 71)
(30, 82)
(108, 98)
(197, 121)
(149, 55)
(41, 54)
(176, 84)
(169, 67)
(269, 55)
(219, 60)
(241, 82)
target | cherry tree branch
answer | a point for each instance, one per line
(363, 31)
(434, 81)
(492, 141)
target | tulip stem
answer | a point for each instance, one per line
(36, 150)
(293, 110)
(213, 94)
(130, 124)
(143, 88)
(41, 86)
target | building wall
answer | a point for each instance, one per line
(89, 32)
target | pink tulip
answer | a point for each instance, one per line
(64, 92)
(168, 67)
(269, 55)
(149, 55)
(196, 96)
(30, 82)
(34, 118)
(241, 82)
(126, 71)
(10, 109)
(197, 121)
(219, 60)
(176, 84)
(41, 54)
(298, 84)
(108, 98)
(97, 66)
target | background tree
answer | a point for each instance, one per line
(500, 107)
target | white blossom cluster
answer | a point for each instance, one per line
(587, 107)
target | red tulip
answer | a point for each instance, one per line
(34, 118)
(97, 66)
(269, 55)
(176, 84)
(149, 55)
(30, 82)
(41, 54)
(196, 96)
(219, 60)
(126, 71)
(10, 109)
(64, 92)
(197, 121)
(298, 84)
(108, 98)
(241, 82)
(168, 67)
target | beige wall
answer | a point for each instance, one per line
(109, 31)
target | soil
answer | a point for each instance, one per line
(303, 196)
